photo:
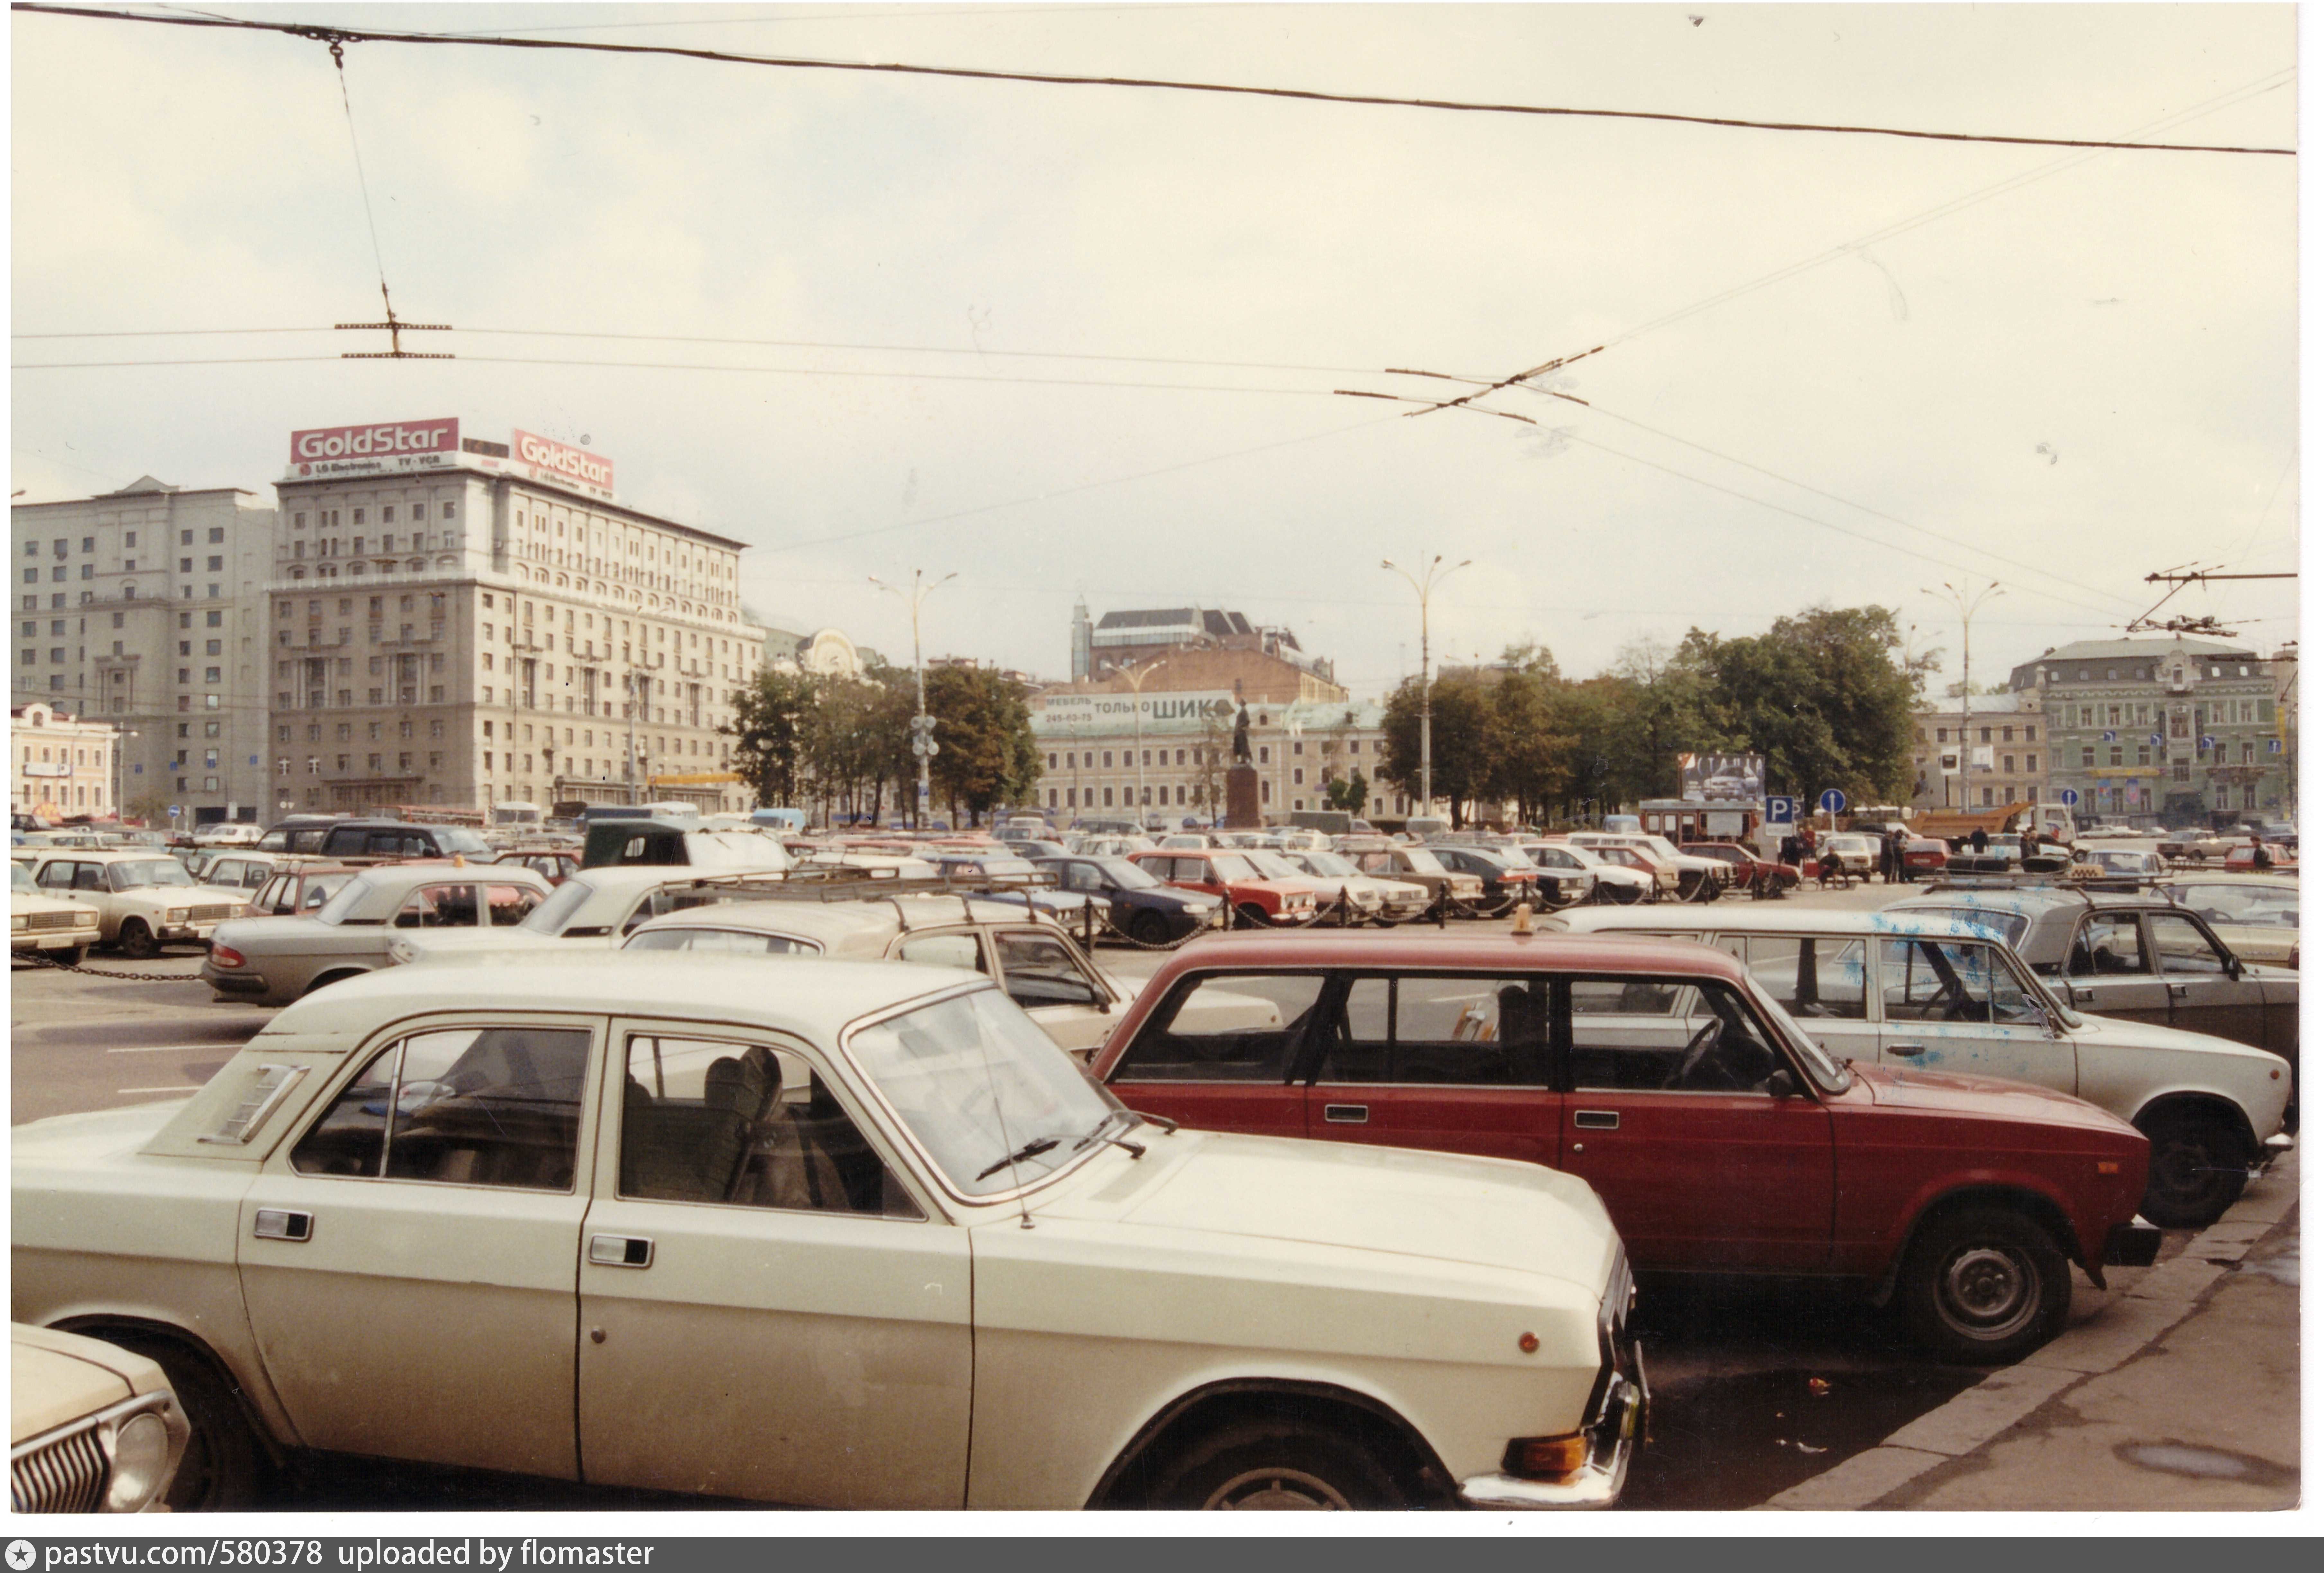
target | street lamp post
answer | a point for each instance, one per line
(924, 741)
(1968, 598)
(1420, 587)
(1137, 681)
(120, 771)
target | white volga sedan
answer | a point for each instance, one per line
(642, 1220)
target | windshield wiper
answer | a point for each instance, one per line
(1135, 1149)
(1030, 1150)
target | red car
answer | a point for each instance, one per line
(1925, 854)
(1722, 1139)
(2280, 860)
(1762, 876)
(1258, 903)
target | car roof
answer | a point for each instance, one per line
(873, 915)
(1464, 952)
(1753, 919)
(106, 853)
(2221, 876)
(382, 875)
(817, 995)
(2031, 900)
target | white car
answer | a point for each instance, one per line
(229, 833)
(1383, 900)
(1681, 873)
(60, 930)
(644, 1216)
(1940, 993)
(143, 900)
(1582, 876)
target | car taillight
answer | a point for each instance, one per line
(227, 957)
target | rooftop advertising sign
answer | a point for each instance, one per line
(1096, 713)
(557, 463)
(394, 445)
(1722, 777)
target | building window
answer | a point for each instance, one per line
(1262, 754)
(2089, 756)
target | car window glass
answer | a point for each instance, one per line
(720, 940)
(1436, 1030)
(1947, 980)
(1205, 1031)
(2181, 947)
(272, 895)
(511, 904)
(2242, 903)
(960, 950)
(438, 906)
(1812, 978)
(744, 1125)
(1079, 876)
(2107, 945)
(491, 1106)
(1041, 969)
(89, 876)
(1710, 1042)
(56, 875)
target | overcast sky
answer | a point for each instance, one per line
(1110, 322)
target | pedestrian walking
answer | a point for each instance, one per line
(1979, 840)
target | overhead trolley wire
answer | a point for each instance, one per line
(1050, 79)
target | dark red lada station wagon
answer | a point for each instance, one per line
(1722, 1139)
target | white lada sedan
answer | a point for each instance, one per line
(642, 1220)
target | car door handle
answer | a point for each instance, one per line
(1346, 1114)
(1906, 1048)
(621, 1251)
(1598, 1119)
(282, 1223)
(2178, 991)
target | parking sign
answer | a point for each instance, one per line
(1782, 810)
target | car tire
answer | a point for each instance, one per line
(2195, 1168)
(137, 941)
(1150, 929)
(327, 979)
(1265, 1463)
(225, 1465)
(1251, 915)
(1984, 1286)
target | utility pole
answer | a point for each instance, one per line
(1421, 586)
(924, 725)
(1968, 600)
(1137, 681)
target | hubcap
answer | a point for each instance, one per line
(1987, 1292)
(1276, 1491)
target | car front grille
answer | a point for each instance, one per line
(54, 920)
(65, 1475)
(212, 914)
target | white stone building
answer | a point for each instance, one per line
(60, 768)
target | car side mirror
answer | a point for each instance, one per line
(1783, 1084)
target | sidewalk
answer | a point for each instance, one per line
(2182, 1395)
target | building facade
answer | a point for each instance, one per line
(2164, 730)
(144, 607)
(63, 768)
(467, 622)
(1993, 754)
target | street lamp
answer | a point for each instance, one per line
(120, 769)
(1967, 599)
(1421, 586)
(924, 741)
(1137, 681)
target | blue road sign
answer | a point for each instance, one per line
(2210, 741)
(175, 811)
(2069, 797)
(1782, 810)
(1832, 800)
(2155, 738)
(2275, 746)
(2110, 736)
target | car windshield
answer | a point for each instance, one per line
(1660, 845)
(1331, 864)
(1274, 865)
(1424, 861)
(1828, 1076)
(452, 839)
(984, 1092)
(1229, 868)
(144, 872)
(345, 900)
(1125, 874)
(552, 915)
(2010, 925)
(21, 878)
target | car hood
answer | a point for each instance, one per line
(48, 1387)
(1487, 1212)
(1982, 1097)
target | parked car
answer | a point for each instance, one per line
(369, 1222)
(92, 1426)
(1510, 877)
(227, 833)
(1579, 873)
(554, 864)
(1449, 888)
(1386, 902)
(1933, 991)
(1693, 878)
(2245, 859)
(300, 833)
(381, 840)
(244, 869)
(2122, 862)
(143, 900)
(1661, 873)
(1860, 857)
(1925, 854)
(1255, 901)
(272, 961)
(301, 887)
(42, 925)
(1137, 903)
(2257, 914)
(1764, 877)
(1721, 1137)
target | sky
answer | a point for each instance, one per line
(1081, 340)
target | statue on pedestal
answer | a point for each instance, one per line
(1242, 735)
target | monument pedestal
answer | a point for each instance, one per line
(1242, 798)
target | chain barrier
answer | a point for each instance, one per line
(37, 959)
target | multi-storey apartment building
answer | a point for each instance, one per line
(144, 608)
(468, 622)
(63, 768)
(2163, 729)
(1981, 755)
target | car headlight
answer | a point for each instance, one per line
(18, 920)
(177, 914)
(140, 1462)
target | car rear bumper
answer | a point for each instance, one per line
(2132, 1245)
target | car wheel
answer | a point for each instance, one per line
(224, 1467)
(1260, 1464)
(137, 941)
(1150, 929)
(2195, 1169)
(330, 978)
(1252, 915)
(1985, 1286)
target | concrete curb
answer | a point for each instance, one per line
(2162, 1298)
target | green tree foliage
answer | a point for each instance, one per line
(1827, 696)
(1460, 762)
(1347, 793)
(770, 731)
(984, 730)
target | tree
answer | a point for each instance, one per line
(771, 718)
(1530, 757)
(1347, 793)
(985, 732)
(1460, 751)
(1828, 696)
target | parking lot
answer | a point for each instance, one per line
(1756, 1388)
